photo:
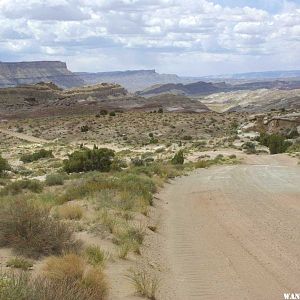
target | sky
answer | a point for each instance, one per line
(186, 37)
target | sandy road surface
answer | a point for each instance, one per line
(23, 136)
(233, 232)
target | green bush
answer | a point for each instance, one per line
(276, 143)
(178, 158)
(89, 160)
(31, 231)
(26, 158)
(4, 166)
(112, 114)
(17, 187)
(54, 179)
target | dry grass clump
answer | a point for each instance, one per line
(146, 283)
(21, 286)
(96, 256)
(16, 187)
(31, 231)
(129, 238)
(71, 212)
(72, 268)
(19, 263)
(15, 286)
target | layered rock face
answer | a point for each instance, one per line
(17, 73)
(31, 96)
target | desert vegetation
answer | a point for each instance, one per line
(85, 201)
(275, 142)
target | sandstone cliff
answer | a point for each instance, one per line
(16, 73)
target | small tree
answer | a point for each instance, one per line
(178, 158)
(4, 166)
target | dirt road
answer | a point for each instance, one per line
(233, 232)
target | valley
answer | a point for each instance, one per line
(186, 192)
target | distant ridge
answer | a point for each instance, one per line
(258, 75)
(208, 88)
(132, 80)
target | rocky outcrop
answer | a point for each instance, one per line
(28, 96)
(19, 73)
(285, 124)
(49, 94)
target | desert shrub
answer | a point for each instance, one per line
(163, 170)
(117, 164)
(26, 158)
(84, 128)
(31, 231)
(72, 268)
(96, 256)
(16, 187)
(87, 187)
(103, 112)
(178, 158)
(71, 212)
(4, 166)
(89, 160)
(201, 164)
(293, 134)
(112, 114)
(19, 263)
(54, 179)
(146, 283)
(137, 161)
(187, 138)
(153, 140)
(276, 143)
(249, 147)
(294, 148)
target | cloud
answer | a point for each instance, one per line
(150, 33)
(42, 10)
